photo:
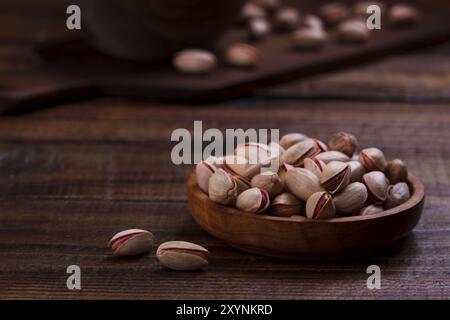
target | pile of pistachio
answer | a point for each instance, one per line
(314, 180)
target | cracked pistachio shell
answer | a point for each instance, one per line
(194, 61)
(182, 256)
(241, 183)
(288, 140)
(335, 176)
(372, 209)
(396, 171)
(287, 19)
(269, 181)
(357, 171)
(253, 152)
(297, 153)
(253, 200)
(372, 159)
(282, 172)
(329, 156)
(312, 22)
(314, 165)
(259, 28)
(131, 242)
(204, 170)
(251, 11)
(351, 199)
(353, 30)
(309, 38)
(343, 142)
(286, 205)
(242, 55)
(377, 185)
(222, 188)
(397, 194)
(333, 13)
(302, 183)
(320, 206)
(240, 166)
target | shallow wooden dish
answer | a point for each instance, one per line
(306, 239)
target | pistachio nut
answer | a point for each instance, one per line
(131, 242)
(222, 188)
(309, 38)
(397, 194)
(353, 30)
(357, 170)
(333, 13)
(288, 140)
(335, 176)
(372, 209)
(297, 153)
(372, 159)
(287, 19)
(240, 166)
(302, 183)
(194, 61)
(282, 173)
(322, 146)
(403, 14)
(182, 256)
(320, 206)
(253, 200)
(241, 183)
(269, 181)
(377, 185)
(396, 171)
(259, 28)
(314, 165)
(203, 171)
(312, 22)
(254, 152)
(343, 142)
(251, 11)
(329, 156)
(286, 204)
(242, 55)
(351, 199)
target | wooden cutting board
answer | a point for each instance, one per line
(73, 69)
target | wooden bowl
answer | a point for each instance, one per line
(304, 238)
(154, 29)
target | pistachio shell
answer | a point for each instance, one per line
(333, 13)
(351, 199)
(242, 55)
(287, 19)
(403, 14)
(222, 188)
(343, 142)
(335, 176)
(372, 159)
(286, 204)
(251, 11)
(269, 181)
(204, 170)
(290, 139)
(309, 38)
(357, 171)
(131, 242)
(329, 156)
(302, 183)
(297, 153)
(259, 28)
(240, 166)
(314, 165)
(312, 22)
(182, 256)
(377, 185)
(372, 209)
(252, 151)
(396, 171)
(353, 30)
(241, 183)
(253, 200)
(397, 194)
(282, 173)
(320, 206)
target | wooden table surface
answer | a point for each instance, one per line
(73, 175)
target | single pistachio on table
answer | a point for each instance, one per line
(403, 14)
(182, 256)
(377, 185)
(396, 171)
(194, 61)
(131, 242)
(372, 159)
(287, 19)
(335, 176)
(288, 140)
(269, 181)
(296, 154)
(251, 11)
(343, 142)
(242, 55)
(372, 209)
(353, 31)
(360, 8)
(329, 156)
(320, 206)
(314, 165)
(351, 199)
(309, 38)
(222, 188)
(333, 13)
(397, 194)
(312, 22)
(286, 205)
(302, 183)
(259, 28)
(254, 200)
(357, 171)
(203, 171)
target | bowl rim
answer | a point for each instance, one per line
(413, 181)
